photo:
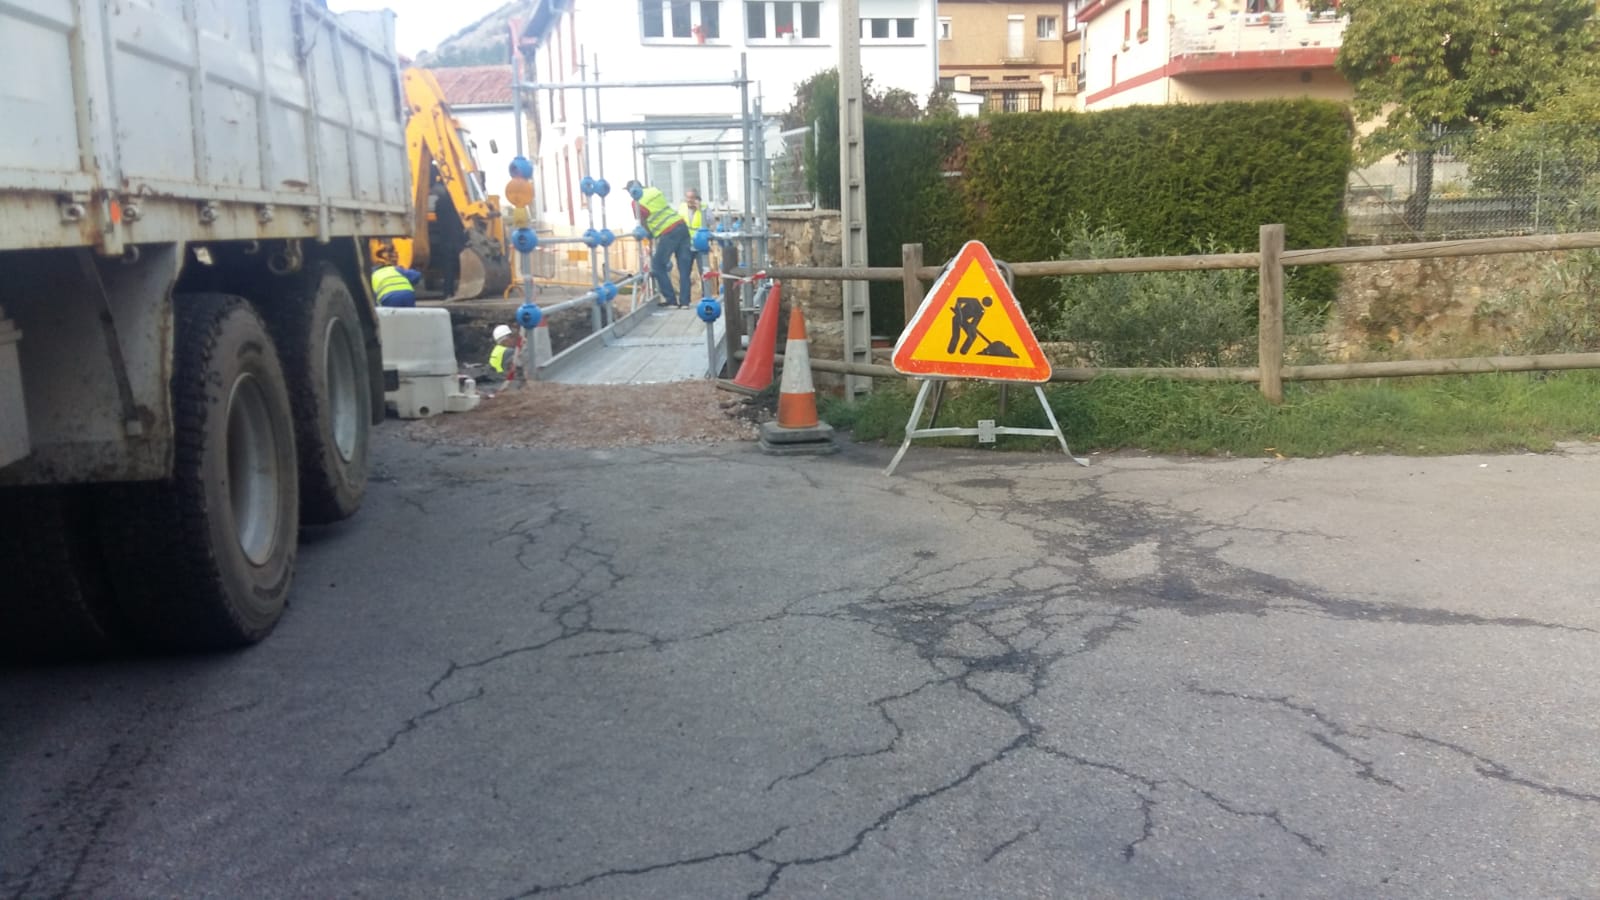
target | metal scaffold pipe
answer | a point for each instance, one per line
(668, 125)
(576, 85)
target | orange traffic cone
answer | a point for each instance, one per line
(755, 375)
(797, 399)
(798, 430)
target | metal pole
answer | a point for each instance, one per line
(711, 349)
(764, 198)
(744, 113)
(853, 195)
(604, 315)
(700, 82)
(516, 96)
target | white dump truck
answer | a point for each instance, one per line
(189, 361)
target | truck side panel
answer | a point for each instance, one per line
(134, 122)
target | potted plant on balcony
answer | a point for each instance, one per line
(1144, 35)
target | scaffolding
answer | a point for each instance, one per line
(747, 230)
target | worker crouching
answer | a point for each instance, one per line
(394, 285)
(503, 356)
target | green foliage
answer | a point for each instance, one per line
(1409, 416)
(1167, 176)
(1559, 315)
(816, 104)
(1419, 64)
(1151, 318)
(450, 57)
(905, 163)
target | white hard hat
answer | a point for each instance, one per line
(501, 331)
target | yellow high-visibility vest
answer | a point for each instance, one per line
(695, 217)
(661, 216)
(500, 357)
(387, 280)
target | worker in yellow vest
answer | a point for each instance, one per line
(503, 358)
(671, 235)
(694, 215)
(394, 285)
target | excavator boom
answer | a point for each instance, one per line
(465, 219)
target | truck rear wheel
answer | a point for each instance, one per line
(54, 602)
(319, 338)
(204, 560)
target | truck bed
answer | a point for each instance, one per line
(128, 123)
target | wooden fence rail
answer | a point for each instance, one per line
(1269, 261)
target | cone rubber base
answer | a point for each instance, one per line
(736, 388)
(780, 441)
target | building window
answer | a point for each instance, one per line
(885, 29)
(1144, 17)
(1113, 68)
(944, 28)
(766, 19)
(1045, 28)
(1263, 6)
(687, 20)
(1127, 24)
(947, 83)
(810, 27)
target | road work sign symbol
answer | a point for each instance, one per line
(970, 326)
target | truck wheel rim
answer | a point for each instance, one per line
(344, 408)
(253, 477)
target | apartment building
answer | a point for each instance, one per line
(632, 43)
(1207, 51)
(1013, 57)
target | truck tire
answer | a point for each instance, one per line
(54, 602)
(203, 561)
(320, 341)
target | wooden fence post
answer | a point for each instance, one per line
(1269, 338)
(911, 261)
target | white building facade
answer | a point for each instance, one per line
(696, 139)
(1208, 51)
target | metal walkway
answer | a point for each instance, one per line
(650, 346)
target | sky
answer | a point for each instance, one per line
(421, 24)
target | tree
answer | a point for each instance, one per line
(1419, 67)
(816, 104)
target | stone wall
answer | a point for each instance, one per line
(1415, 303)
(812, 238)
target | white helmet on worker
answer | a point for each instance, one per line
(502, 332)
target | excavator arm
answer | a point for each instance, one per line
(440, 155)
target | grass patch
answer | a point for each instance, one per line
(1410, 416)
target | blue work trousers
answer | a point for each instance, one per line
(674, 245)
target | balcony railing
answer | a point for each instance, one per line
(1255, 33)
(1013, 101)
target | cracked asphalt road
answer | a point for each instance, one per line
(705, 672)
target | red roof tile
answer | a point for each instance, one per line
(475, 85)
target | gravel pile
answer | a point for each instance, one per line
(570, 416)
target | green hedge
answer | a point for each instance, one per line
(1170, 177)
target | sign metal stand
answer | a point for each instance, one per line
(989, 431)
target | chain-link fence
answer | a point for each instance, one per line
(1480, 184)
(787, 172)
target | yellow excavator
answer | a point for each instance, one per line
(459, 240)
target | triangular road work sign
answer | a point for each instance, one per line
(970, 326)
